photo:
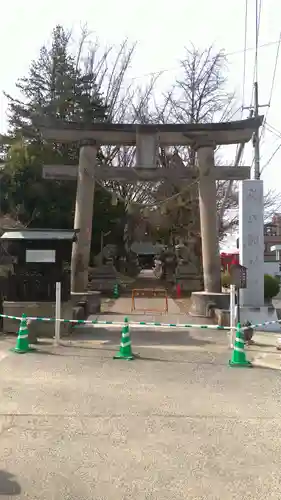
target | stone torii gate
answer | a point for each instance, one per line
(204, 138)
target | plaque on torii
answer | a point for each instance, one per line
(146, 151)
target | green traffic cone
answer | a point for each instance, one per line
(125, 351)
(116, 291)
(238, 354)
(22, 345)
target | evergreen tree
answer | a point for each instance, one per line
(56, 87)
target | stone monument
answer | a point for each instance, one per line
(251, 251)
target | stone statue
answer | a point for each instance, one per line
(189, 269)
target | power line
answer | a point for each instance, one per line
(245, 54)
(227, 54)
(256, 136)
(272, 156)
(261, 46)
(272, 84)
(239, 147)
(277, 133)
(243, 81)
(258, 22)
(273, 130)
(257, 32)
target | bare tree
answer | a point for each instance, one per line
(126, 101)
(199, 95)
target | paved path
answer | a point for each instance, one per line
(122, 307)
(147, 336)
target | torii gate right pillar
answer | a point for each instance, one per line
(208, 220)
(203, 303)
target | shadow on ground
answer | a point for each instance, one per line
(105, 353)
(8, 485)
(143, 337)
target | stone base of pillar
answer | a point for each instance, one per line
(190, 284)
(203, 304)
(257, 315)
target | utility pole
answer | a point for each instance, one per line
(256, 136)
(238, 157)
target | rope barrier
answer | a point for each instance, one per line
(135, 323)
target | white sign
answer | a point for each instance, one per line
(251, 241)
(38, 256)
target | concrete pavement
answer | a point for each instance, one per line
(175, 424)
(264, 353)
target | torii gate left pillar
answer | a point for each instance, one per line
(83, 218)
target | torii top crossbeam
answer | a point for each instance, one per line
(222, 133)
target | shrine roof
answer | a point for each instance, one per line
(38, 234)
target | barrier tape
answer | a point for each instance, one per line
(134, 323)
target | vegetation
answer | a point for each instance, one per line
(225, 279)
(271, 286)
(55, 87)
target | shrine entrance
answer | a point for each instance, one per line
(147, 139)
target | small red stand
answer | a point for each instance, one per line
(178, 290)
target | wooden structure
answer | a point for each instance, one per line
(154, 293)
(39, 257)
(203, 138)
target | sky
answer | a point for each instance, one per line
(161, 28)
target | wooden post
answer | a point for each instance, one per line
(208, 220)
(83, 217)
